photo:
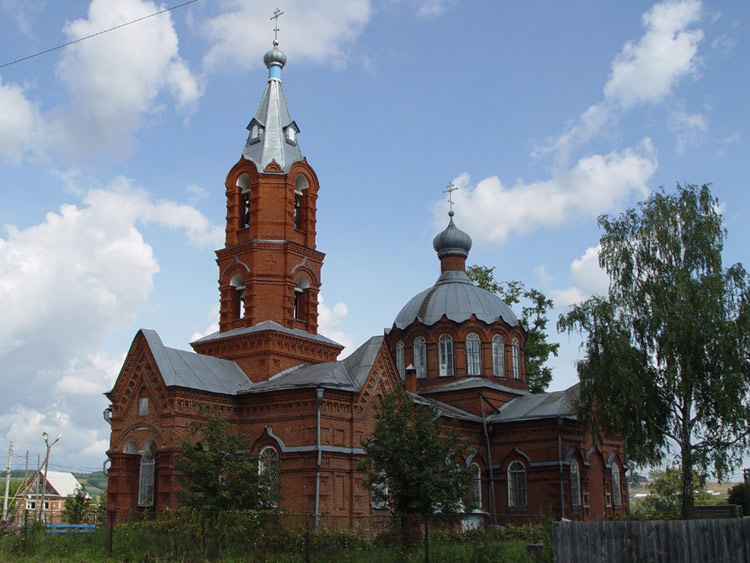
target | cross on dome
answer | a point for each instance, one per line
(275, 16)
(449, 189)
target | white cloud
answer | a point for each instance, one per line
(647, 71)
(20, 123)
(321, 31)
(328, 319)
(65, 285)
(23, 12)
(597, 183)
(587, 277)
(213, 324)
(689, 128)
(429, 8)
(115, 79)
(644, 72)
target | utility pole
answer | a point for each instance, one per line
(46, 467)
(7, 482)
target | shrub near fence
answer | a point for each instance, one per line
(686, 541)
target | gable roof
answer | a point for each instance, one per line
(181, 368)
(542, 405)
(60, 483)
(472, 383)
(444, 409)
(269, 325)
(348, 374)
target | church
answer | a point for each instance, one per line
(454, 346)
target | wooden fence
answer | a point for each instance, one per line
(657, 541)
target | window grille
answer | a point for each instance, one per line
(420, 356)
(146, 481)
(498, 356)
(617, 497)
(400, 363)
(445, 347)
(575, 484)
(473, 355)
(516, 485)
(516, 360)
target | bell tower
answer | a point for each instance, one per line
(269, 268)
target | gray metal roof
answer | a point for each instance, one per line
(195, 371)
(272, 144)
(269, 325)
(456, 297)
(472, 383)
(348, 374)
(445, 409)
(543, 405)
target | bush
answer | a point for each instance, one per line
(740, 494)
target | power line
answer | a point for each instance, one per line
(98, 33)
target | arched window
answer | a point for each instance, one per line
(473, 355)
(516, 485)
(516, 360)
(498, 356)
(575, 484)
(476, 484)
(297, 210)
(400, 363)
(268, 466)
(616, 496)
(237, 297)
(146, 478)
(300, 299)
(301, 184)
(243, 183)
(445, 350)
(420, 356)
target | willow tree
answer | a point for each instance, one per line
(667, 350)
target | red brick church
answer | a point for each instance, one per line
(270, 373)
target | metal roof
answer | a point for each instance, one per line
(348, 374)
(455, 296)
(181, 368)
(61, 483)
(472, 383)
(445, 409)
(272, 143)
(272, 326)
(543, 405)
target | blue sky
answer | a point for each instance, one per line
(114, 151)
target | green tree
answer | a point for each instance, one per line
(220, 473)
(414, 461)
(76, 507)
(666, 352)
(665, 492)
(534, 319)
(740, 494)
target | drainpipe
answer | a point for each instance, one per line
(319, 391)
(493, 515)
(559, 463)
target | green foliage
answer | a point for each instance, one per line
(667, 349)
(415, 461)
(665, 493)
(534, 319)
(740, 494)
(221, 474)
(76, 507)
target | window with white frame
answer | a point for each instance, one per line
(575, 483)
(146, 480)
(516, 485)
(268, 465)
(616, 496)
(516, 360)
(498, 356)
(420, 356)
(400, 362)
(473, 355)
(445, 351)
(476, 484)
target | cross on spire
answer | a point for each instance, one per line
(275, 16)
(449, 189)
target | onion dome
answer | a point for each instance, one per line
(274, 57)
(454, 295)
(452, 241)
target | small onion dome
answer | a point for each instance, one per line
(452, 241)
(274, 56)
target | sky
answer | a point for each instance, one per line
(114, 152)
